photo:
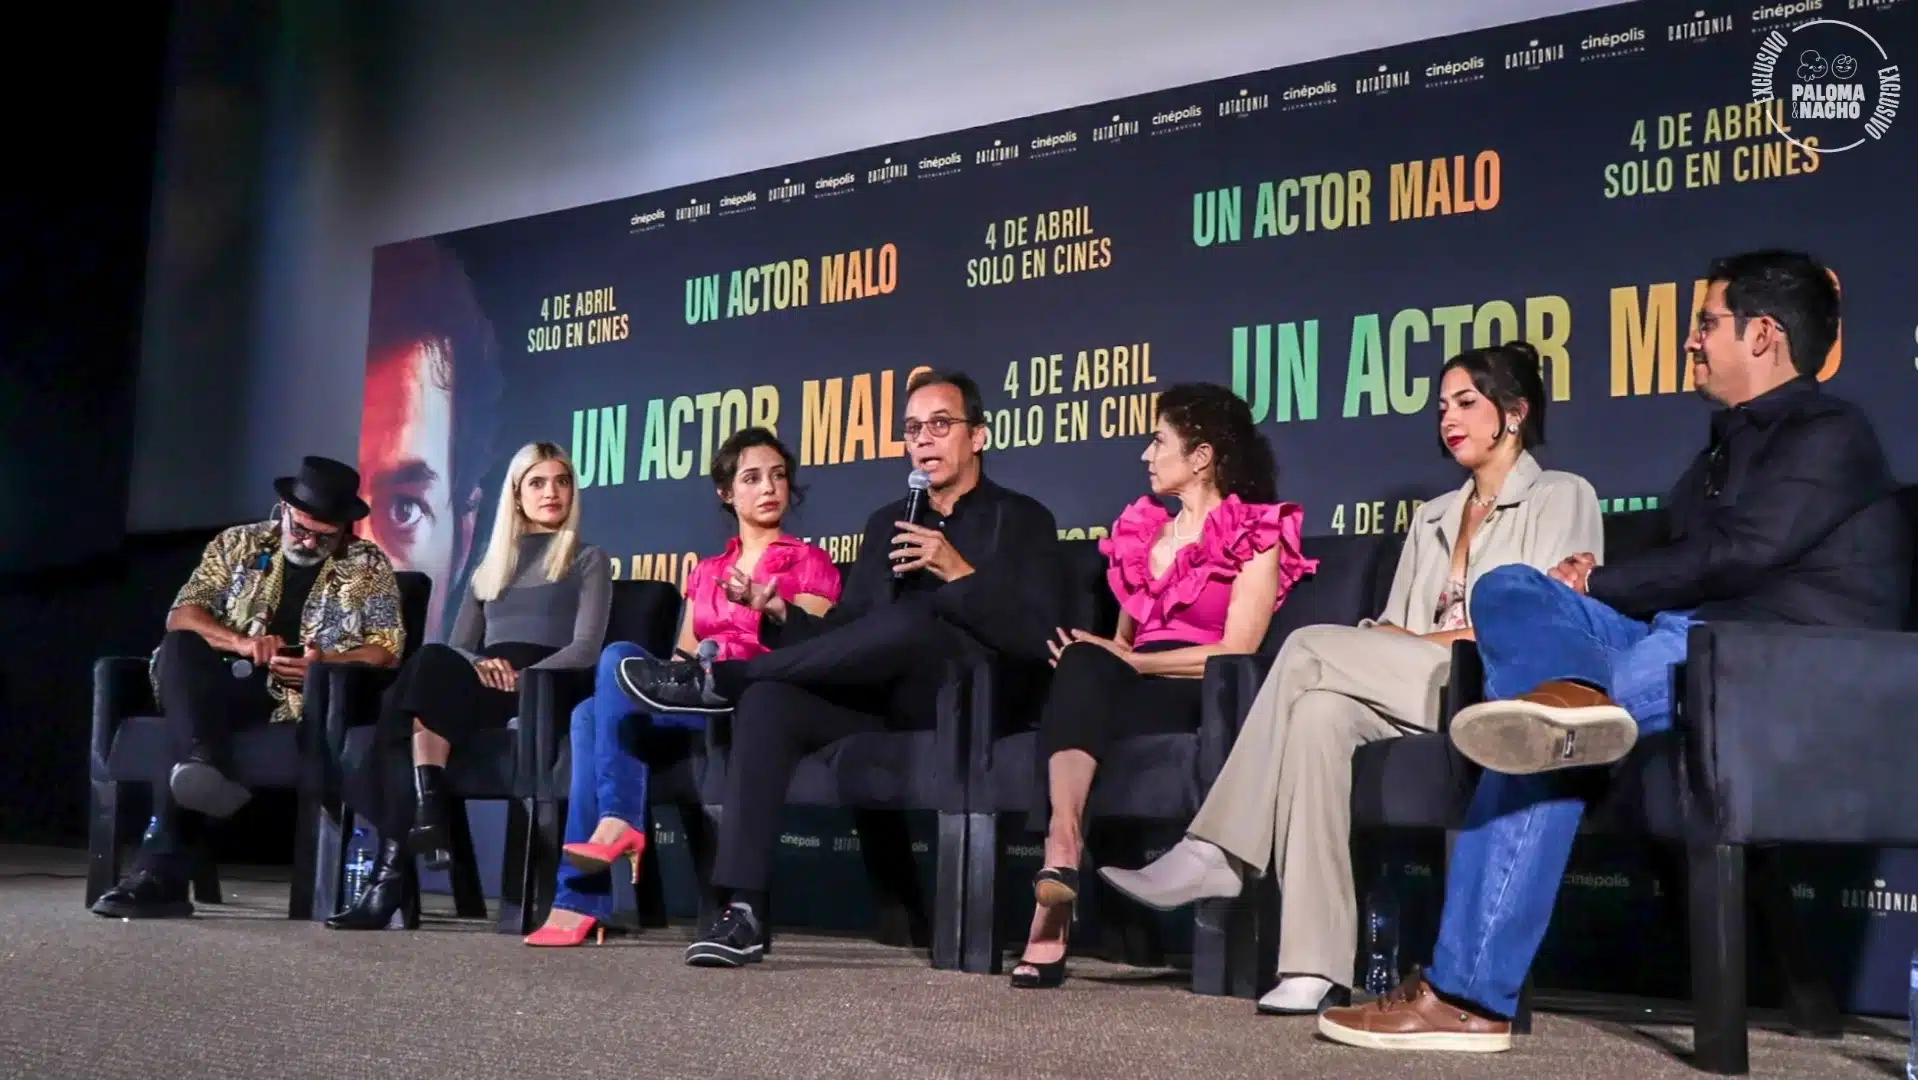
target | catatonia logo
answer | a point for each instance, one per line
(1834, 84)
(1190, 112)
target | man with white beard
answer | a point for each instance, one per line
(267, 600)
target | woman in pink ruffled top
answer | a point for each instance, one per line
(1199, 583)
(753, 475)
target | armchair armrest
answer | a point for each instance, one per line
(120, 690)
(1798, 734)
(545, 696)
(348, 696)
(1464, 685)
(1225, 695)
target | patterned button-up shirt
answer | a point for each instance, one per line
(354, 602)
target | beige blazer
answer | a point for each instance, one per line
(1541, 517)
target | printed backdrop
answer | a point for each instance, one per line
(1319, 237)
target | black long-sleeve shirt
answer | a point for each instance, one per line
(1789, 515)
(1010, 602)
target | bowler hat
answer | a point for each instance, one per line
(327, 489)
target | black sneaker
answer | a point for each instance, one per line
(732, 941)
(144, 894)
(671, 685)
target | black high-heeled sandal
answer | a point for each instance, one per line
(1051, 975)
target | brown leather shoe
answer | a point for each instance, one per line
(1412, 1017)
(1559, 725)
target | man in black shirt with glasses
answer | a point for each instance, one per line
(975, 576)
(1788, 516)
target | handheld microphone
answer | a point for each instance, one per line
(917, 483)
(242, 668)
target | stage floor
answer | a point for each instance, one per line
(242, 992)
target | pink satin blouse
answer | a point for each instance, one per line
(798, 567)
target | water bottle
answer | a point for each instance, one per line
(1381, 937)
(1911, 1013)
(359, 865)
(153, 829)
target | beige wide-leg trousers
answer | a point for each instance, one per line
(1284, 798)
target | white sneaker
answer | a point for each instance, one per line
(1192, 870)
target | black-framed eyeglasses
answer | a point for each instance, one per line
(939, 426)
(305, 535)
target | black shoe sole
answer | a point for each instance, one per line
(177, 909)
(198, 786)
(637, 693)
(707, 954)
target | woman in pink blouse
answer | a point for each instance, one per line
(606, 810)
(1191, 585)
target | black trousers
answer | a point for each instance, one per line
(439, 687)
(203, 706)
(1097, 699)
(881, 672)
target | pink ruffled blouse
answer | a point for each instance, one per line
(1188, 602)
(799, 568)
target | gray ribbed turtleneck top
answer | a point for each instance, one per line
(568, 614)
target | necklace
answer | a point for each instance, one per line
(1176, 534)
(1482, 502)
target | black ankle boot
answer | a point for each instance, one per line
(428, 838)
(384, 892)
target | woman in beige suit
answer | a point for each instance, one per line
(1283, 801)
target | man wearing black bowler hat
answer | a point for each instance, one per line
(267, 600)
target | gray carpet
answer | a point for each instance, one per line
(241, 992)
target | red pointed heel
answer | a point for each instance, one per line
(552, 937)
(590, 858)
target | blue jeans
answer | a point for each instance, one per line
(609, 780)
(1506, 865)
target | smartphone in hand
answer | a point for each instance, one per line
(292, 652)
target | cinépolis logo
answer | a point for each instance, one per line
(647, 221)
(1176, 119)
(1839, 87)
(1448, 72)
(1616, 43)
(1322, 93)
(941, 165)
(1063, 142)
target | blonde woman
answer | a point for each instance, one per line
(539, 599)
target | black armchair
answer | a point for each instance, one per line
(516, 764)
(645, 613)
(880, 775)
(1155, 778)
(130, 745)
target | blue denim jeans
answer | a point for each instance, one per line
(1506, 865)
(609, 780)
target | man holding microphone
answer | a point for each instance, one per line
(975, 576)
